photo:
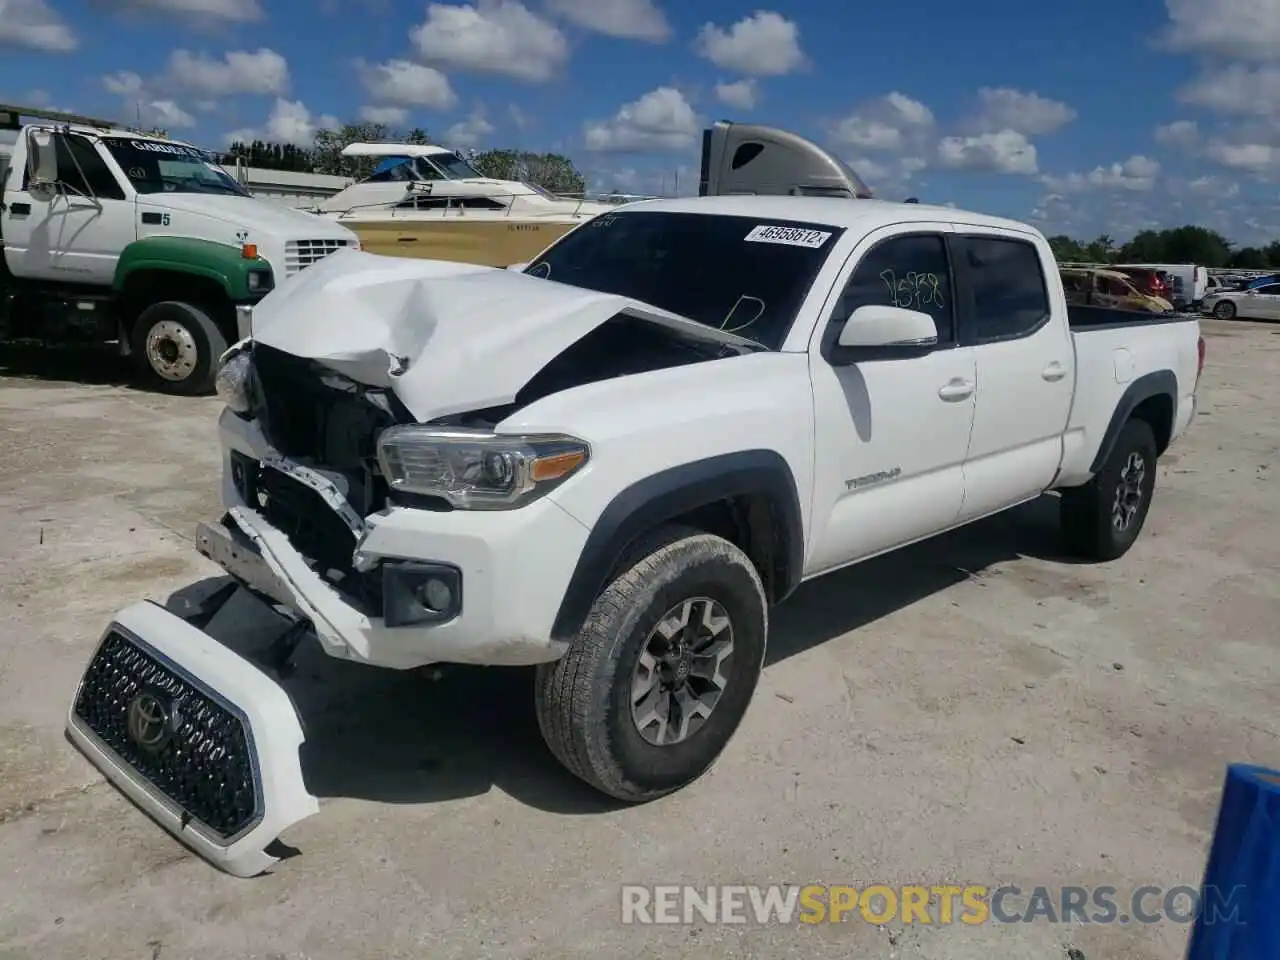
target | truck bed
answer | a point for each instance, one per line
(1092, 318)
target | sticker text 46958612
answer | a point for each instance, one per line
(788, 236)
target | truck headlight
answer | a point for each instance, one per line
(234, 380)
(476, 469)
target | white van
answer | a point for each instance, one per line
(1190, 282)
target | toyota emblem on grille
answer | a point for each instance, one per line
(149, 721)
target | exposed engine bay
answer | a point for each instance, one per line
(328, 423)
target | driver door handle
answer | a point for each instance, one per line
(1054, 372)
(956, 389)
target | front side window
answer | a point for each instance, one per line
(739, 274)
(454, 167)
(911, 272)
(82, 170)
(154, 166)
(1010, 298)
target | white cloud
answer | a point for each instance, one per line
(888, 174)
(628, 19)
(1005, 151)
(519, 119)
(1211, 186)
(1237, 89)
(262, 71)
(124, 83)
(1138, 173)
(1180, 133)
(407, 83)
(35, 24)
(741, 94)
(234, 11)
(660, 120)
(166, 114)
(390, 116)
(1004, 108)
(1254, 158)
(764, 44)
(1240, 29)
(893, 122)
(289, 122)
(470, 132)
(491, 36)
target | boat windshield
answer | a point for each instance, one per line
(405, 169)
(154, 166)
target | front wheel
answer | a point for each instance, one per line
(1224, 310)
(662, 671)
(177, 346)
(1102, 519)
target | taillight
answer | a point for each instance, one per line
(1199, 360)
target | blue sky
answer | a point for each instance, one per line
(1088, 116)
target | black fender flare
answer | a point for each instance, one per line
(1155, 384)
(663, 496)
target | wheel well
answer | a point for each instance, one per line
(147, 287)
(1157, 411)
(749, 521)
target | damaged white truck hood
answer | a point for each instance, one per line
(445, 337)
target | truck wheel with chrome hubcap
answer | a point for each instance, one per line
(1102, 519)
(177, 346)
(662, 671)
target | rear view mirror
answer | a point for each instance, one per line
(42, 161)
(885, 333)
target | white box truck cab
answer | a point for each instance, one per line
(110, 235)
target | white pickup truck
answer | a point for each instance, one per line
(611, 466)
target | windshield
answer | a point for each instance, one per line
(153, 166)
(454, 166)
(739, 274)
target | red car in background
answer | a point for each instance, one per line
(1155, 283)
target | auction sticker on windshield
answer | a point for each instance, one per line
(790, 236)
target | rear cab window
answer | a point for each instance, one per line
(743, 275)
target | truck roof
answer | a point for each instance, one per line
(829, 211)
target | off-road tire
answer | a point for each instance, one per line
(1090, 528)
(583, 700)
(201, 333)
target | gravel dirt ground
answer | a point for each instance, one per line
(976, 709)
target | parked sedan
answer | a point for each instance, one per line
(1258, 303)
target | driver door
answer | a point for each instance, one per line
(76, 234)
(891, 436)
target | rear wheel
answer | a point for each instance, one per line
(1224, 310)
(1102, 519)
(662, 672)
(177, 346)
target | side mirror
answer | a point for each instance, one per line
(885, 333)
(42, 161)
(517, 267)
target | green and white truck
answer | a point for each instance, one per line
(110, 235)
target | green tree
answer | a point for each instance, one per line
(1101, 249)
(1146, 247)
(1192, 244)
(551, 171)
(1273, 254)
(1065, 249)
(1249, 258)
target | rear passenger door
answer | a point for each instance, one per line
(1025, 362)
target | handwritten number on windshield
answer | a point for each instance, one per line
(914, 291)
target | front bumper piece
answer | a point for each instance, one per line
(194, 734)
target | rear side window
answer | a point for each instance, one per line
(82, 168)
(1006, 278)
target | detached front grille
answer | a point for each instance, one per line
(187, 744)
(300, 254)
